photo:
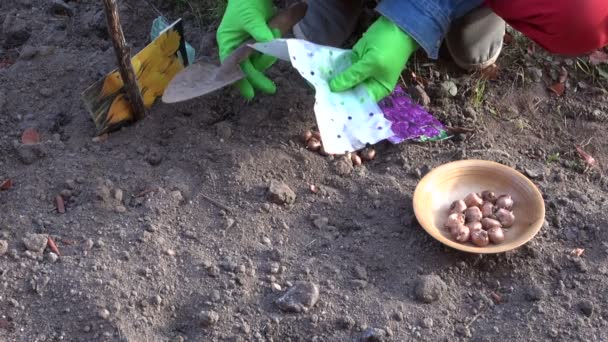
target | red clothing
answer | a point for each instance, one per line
(568, 27)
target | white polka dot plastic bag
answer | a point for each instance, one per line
(349, 120)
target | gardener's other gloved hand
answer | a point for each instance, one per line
(243, 20)
(378, 60)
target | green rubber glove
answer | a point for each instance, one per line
(378, 60)
(243, 20)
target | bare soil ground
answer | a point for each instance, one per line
(146, 254)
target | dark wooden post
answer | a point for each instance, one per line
(123, 54)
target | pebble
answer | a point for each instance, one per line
(429, 288)
(345, 322)
(104, 314)
(266, 241)
(118, 195)
(157, 300)
(535, 293)
(88, 244)
(46, 92)
(280, 193)
(360, 272)
(151, 227)
(121, 209)
(52, 257)
(170, 252)
(229, 223)
(275, 287)
(300, 298)
(427, 323)
(35, 242)
(449, 89)
(372, 335)
(343, 167)
(99, 243)
(586, 307)
(464, 331)
(223, 130)
(3, 247)
(274, 267)
(208, 318)
(397, 316)
(154, 157)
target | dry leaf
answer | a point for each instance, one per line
(598, 57)
(6, 184)
(30, 136)
(558, 89)
(60, 204)
(52, 246)
(577, 252)
(563, 75)
(490, 73)
(587, 158)
(497, 298)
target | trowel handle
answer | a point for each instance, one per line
(284, 21)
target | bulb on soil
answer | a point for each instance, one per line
(306, 136)
(368, 154)
(313, 144)
(355, 159)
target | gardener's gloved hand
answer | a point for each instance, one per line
(245, 19)
(378, 59)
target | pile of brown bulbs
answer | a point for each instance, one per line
(480, 218)
(312, 140)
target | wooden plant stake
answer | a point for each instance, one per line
(123, 54)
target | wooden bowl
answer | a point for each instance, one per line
(453, 181)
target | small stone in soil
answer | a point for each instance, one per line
(275, 287)
(373, 335)
(157, 300)
(360, 272)
(208, 318)
(280, 193)
(154, 158)
(345, 322)
(3, 247)
(52, 257)
(170, 252)
(535, 293)
(274, 267)
(586, 307)
(104, 314)
(35, 242)
(427, 323)
(88, 244)
(151, 227)
(429, 288)
(397, 316)
(300, 298)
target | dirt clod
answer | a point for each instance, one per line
(535, 293)
(280, 193)
(3, 247)
(35, 242)
(300, 298)
(429, 288)
(208, 318)
(586, 307)
(373, 335)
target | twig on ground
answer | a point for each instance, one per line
(216, 203)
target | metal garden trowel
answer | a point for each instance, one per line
(203, 78)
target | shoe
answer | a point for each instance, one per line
(475, 40)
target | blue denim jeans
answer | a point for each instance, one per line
(427, 21)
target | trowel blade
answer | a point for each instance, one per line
(200, 79)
